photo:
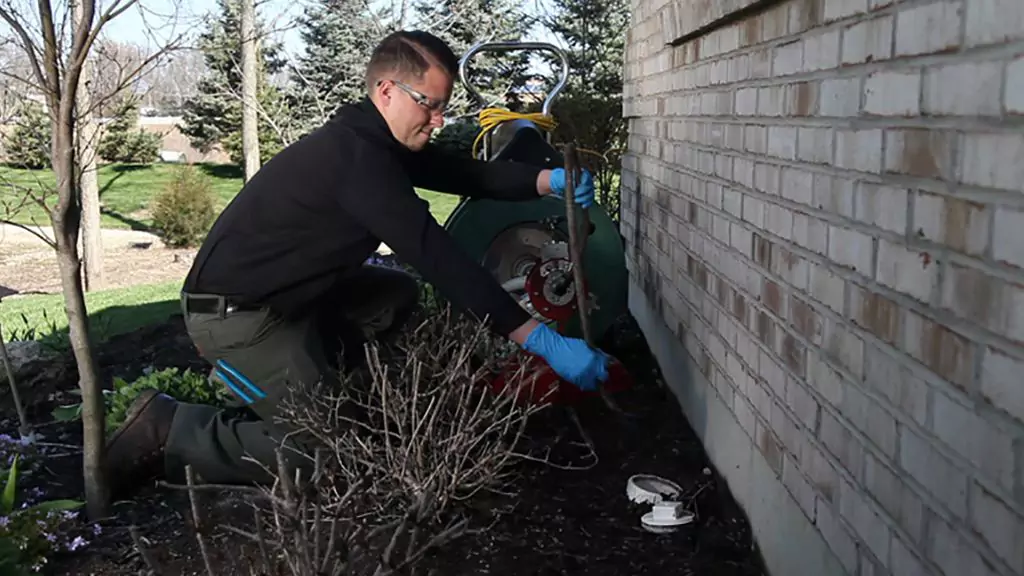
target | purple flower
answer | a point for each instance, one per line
(77, 543)
(97, 529)
(4, 521)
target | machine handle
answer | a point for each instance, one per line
(508, 46)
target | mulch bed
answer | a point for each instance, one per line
(560, 522)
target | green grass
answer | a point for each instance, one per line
(111, 312)
(126, 191)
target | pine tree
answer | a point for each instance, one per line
(28, 144)
(339, 36)
(463, 23)
(214, 115)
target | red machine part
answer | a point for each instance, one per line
(557, 303)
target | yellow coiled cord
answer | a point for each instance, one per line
(491, 118)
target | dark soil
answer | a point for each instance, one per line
(561, 522)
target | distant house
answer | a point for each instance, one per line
(175, 146)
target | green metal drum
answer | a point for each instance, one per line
(508, 236)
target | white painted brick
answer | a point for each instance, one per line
(865, 521)
(970, 89)
(834, 194)
(840, 97)
(740, 237)
(933, 471)
(743, 171)
(993, 160)
(798, 185)
(989, 449)
(991, 21)
(714, 195)
(732, 202)
(745, 415)
(906, 392)
(1001, 528)
(906, 562)
(868, 416)
(782, 142)
(824, 379)
(868, 41)
(803, 405)
(1008, 236)
(820, 471)
(1000, 382)
(799, 487)
(883, 206)
(859, 150)
(827, 288)
(838, 9)
(753, 211)
(843, 347)
(894, 496)
(892, 93)
(956, 555)
(841, 443)
(906, 271)
(766, 178)
(755, 139)
(814, 145)
(821, 52)
(810, 233)
(779, 221)
(1014, 91)
(850, 248)
(771, 100)
(959, 223)
(837, 536)
(746, 102)
(929, 28)
(788, 58)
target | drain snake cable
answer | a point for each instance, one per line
(491, 118)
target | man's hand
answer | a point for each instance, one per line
(570, 358)
(553, 182)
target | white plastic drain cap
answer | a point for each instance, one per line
(666, 517)
(650, 489)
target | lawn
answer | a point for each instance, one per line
(111, 312)
(126, 190)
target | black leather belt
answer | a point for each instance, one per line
(214, 304)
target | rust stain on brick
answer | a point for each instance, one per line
(957, 221)
(724, 293)
(772, 296)
(739, 308)
(765, 331)
(750, 33)
(924, 153)
(880, 315)
(693, 212)
(803, 99)
(771, 450)
(807, 15)
(806, 321)
(947, 353)
(794, 353)
(762, 251)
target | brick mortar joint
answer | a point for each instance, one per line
(962, 326)
(936, 506)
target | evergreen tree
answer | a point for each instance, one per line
(339, 36)
(124, 142)
(214, 115)
(28, 144)
(463, 23)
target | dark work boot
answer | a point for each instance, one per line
(134, 454)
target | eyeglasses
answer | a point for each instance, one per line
(430, 104)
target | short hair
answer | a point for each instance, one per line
(408, 54)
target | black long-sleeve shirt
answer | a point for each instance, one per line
(323, 205)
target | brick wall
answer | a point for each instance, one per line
(823, 203)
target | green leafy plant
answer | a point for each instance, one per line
(187, 386)
(184, 211)
(31, 533)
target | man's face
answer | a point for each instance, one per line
(414, 108)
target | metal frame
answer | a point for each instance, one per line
(508, 46)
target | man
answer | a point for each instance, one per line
(279, 287)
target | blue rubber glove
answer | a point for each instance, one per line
(584, 194)
(570, 358)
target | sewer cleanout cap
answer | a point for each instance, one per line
(667, 513)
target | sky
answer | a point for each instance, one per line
(152, 22)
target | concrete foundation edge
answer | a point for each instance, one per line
(790, 544)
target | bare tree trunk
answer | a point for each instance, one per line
(65, 217)
(250, 134)
(92, 242)
(24, 429)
